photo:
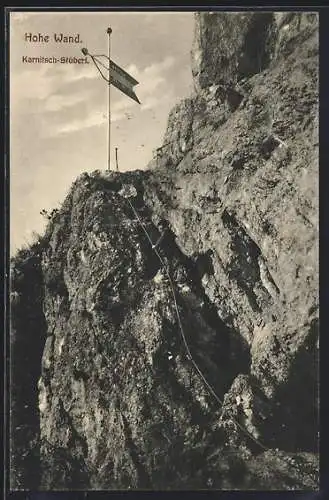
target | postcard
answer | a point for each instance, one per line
(164, 304)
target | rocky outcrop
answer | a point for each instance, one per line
(194, 364)
(229, 47)
(117, 388)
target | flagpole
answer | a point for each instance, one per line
(109, 31)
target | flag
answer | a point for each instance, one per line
(123, 81)
(118, 76)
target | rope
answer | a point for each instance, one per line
(94, 61)
(99, 62)
(207, 384)
(101, 55)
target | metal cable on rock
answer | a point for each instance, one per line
(207, 384)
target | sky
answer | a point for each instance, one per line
(58, 111)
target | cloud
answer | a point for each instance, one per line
(151, 76)
(46, 82)
(99, 117)
(151, 79)
(58, 102)
(150, 93)
(94, 119)
(60, 89)
(87, 72)
(167, 63)
(153, 102)
(30, 84)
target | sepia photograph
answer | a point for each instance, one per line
(164, 250)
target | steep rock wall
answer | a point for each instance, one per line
(247, 191)
(229, 47)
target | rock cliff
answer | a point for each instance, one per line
(194, 364)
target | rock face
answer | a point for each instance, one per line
(229, 47)
(194, 364)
